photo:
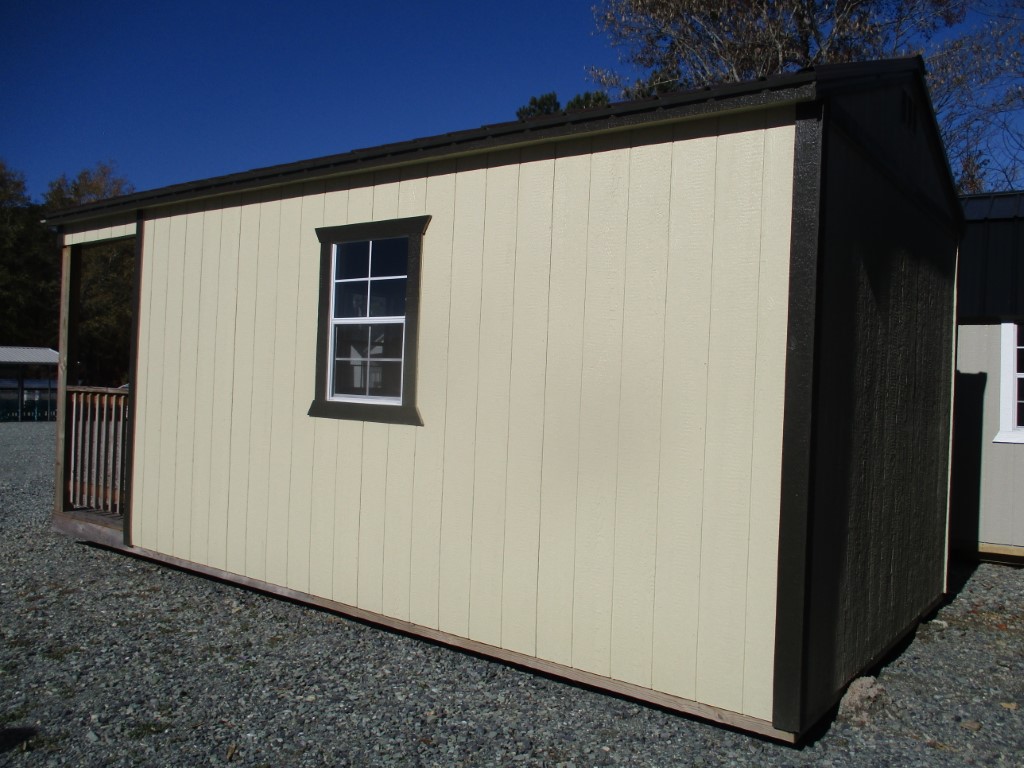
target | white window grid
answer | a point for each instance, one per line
(370, 370)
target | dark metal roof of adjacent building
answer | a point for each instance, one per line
(994, 205)
(990, 285)
(805, 85)
(28, 356)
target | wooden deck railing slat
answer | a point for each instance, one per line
(98, 422)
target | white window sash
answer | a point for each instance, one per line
(1009, 432)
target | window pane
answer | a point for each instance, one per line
(353, 260)
(387, 297)
(387, 340)
(351, 341)
(1020, 361)
(385, 379)
(349, 377)
(350, 299)
(1020, 334)
(390, 257)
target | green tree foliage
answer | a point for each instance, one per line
(587, 100)
(30, 275)
(545, 104)
(548, 104)
(89, 186)
(29, 268)
(974, 50)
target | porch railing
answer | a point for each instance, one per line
(97, 436)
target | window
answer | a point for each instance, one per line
(1011, 384)
(369, 308)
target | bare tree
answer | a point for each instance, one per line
(973, 46)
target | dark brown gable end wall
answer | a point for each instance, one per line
(876, 522)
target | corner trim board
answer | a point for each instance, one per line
(797, 431)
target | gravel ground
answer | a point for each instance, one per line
(113, 661)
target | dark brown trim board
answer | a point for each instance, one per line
(133, 373)
(94, 533)
(797, 434)
(68, 318)
(322, 406)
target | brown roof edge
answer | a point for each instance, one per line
(787, 88)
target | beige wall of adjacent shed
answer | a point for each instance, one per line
(601, 371)
(1001, 491)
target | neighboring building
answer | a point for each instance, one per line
(654, 397)
(28, 384)
(988, 505)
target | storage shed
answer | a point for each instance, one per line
(988, 507)
(28, 385)
(654, 397)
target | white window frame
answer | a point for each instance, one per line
(1009, 432)
(367, 319)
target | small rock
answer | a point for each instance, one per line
(864, 698)
(971, 725)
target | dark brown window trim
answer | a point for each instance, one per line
(406, 413)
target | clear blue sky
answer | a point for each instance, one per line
(179, 91)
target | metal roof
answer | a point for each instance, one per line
(28, 356)
(995, 205)
(990, 283)
(805, 85)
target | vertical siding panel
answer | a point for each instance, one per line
(346, 481)
(279, 522)
(684, 409)
(320, 512)
(167, 504)
(599, 405)
(338, 488)
(428, 476)
(401, 439)
(241, 390)
(223, 382)
(372, 502)
(311, 559)
(192, 262)
(769, 399)
(363, 203)
(723, 577)
(491, 457)
(564, 364)
(262, 382)
(643, 328)
(461, 416)
(146, 512)
(526, 401)
(188, 349)
(999, 461)
(205, 363)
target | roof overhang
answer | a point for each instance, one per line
(779, 90)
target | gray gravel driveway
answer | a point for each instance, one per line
(107, 660)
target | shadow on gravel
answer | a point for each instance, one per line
(12, 737)
(960, 572)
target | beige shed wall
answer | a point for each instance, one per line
(601, 374)
(1001, 492)
(113, 228)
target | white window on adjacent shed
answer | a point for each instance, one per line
(369, 307)
(1011, 384)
